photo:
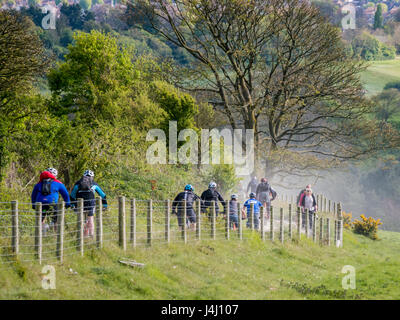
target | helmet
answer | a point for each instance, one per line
(263, 180)
(234, 196)
(252, 195)
(212, 184)
(53, 171)
(189, 187)
(88, 173)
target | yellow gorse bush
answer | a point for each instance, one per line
(367, 226)
(347, 219)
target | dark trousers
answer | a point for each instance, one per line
(310, 219)
(190, 216)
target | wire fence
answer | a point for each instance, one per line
(42, 232)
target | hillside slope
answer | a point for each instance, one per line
(221, 269)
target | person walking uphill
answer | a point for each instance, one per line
(307, 201)
(209, 196)
(252, 186)
(233, 212)
(256, 207)
(46, 192)
(303, 192)
(178, 205)
(85, 189)
(263, 194)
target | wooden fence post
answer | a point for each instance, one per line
(251, 216)
(79, 223)
(262, 223)
(335, 237)
(307, 223)
(271, 225)
(184, 234)
(132, 231)
(328, 231)
(99, 223)
(299, 222)
(314, 227)
(60, 230)
(198, 221)
(149, 221)
(167, 232)
(227, 227)
(321, 230)
(38, 231)
(325, 205)
(240, 224)
(213, 221)
(340, 217)
(15, 227)
(122, 222)
(290, 221)
(329, 206)
(281, 228)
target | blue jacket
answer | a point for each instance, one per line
(257, 205)
(95, 188)
(55, 188)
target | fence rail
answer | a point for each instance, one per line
(44, 234)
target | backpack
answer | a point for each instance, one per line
(299, 196)
(85, 188)
(46, 186)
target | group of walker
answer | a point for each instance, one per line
(261, 195)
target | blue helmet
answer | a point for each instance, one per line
(252, 195)
(189, 187)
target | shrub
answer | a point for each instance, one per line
(367, 227)
(347, 220)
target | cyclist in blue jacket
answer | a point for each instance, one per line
(46, 192)
(85, 189)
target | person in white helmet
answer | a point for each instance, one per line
(212, 195)
(85, 189)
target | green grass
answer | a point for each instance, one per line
(234, 269)
(379, 74)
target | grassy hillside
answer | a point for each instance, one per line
(379, 74)
(249, 269)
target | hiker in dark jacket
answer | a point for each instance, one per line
(264, 193)
(190, 197)
(85, 189)
(252, 186)
(233, 212)
(209, 196)
(301, 193)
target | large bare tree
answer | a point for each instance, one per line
(280, 68)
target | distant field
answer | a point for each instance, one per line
(380, 73)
